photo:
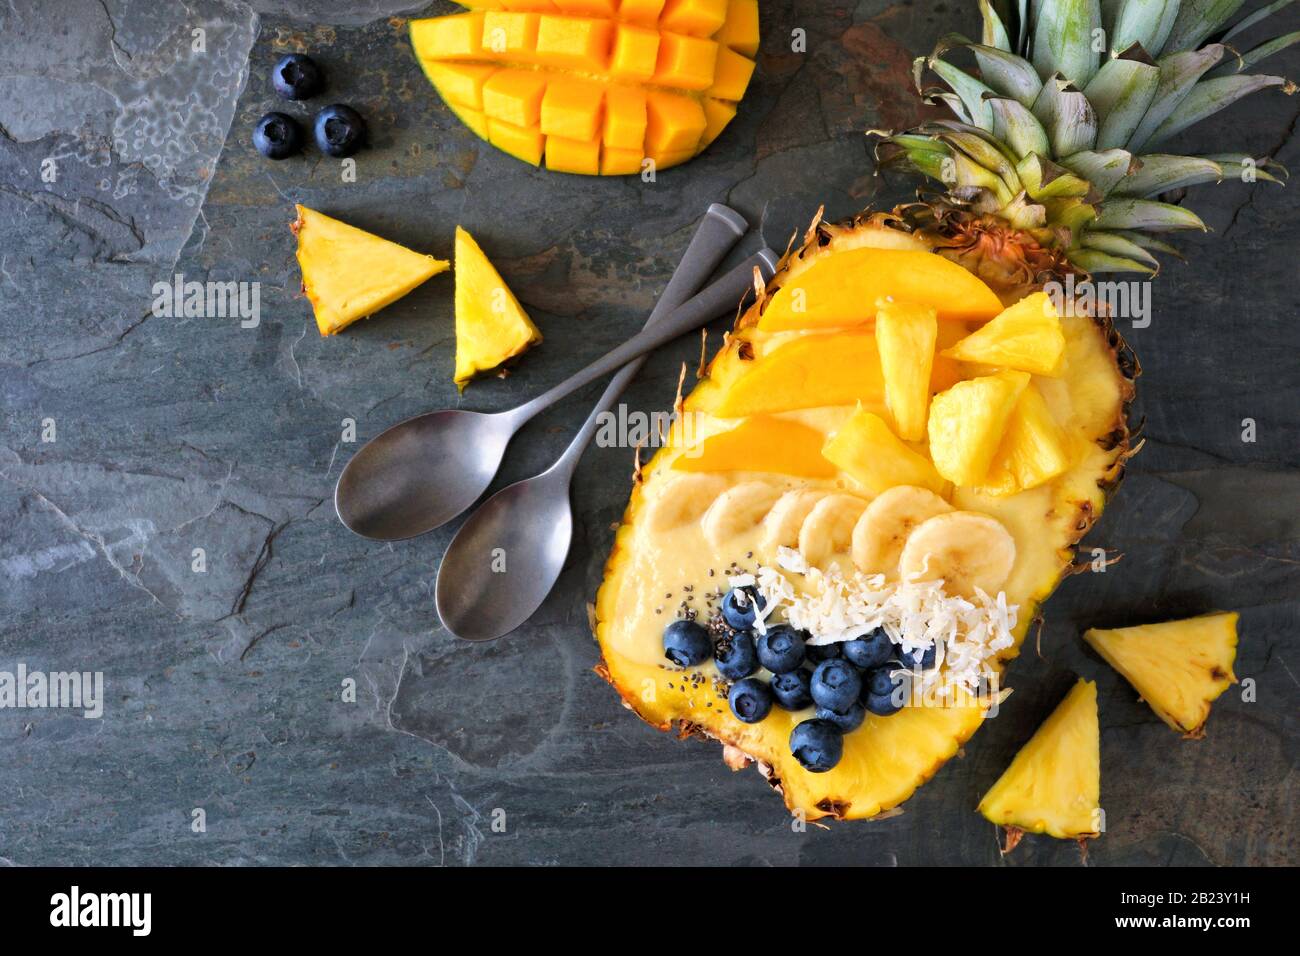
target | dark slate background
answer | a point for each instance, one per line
(224, 688)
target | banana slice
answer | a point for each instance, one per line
(682, 499)
(782, 524)
(828, 529)
(737, 510)
(966, 549)
(879, 534)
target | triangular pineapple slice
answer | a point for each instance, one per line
(967, 423)
(1034, 449)
(1027, 336)
(491, 326)
(876, 458)
(1053, 785)
(348, 273)
(905, 334)
(1179, 667)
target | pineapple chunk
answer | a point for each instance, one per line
(1053, 785)
(967, 423)
(1179, 667)
(906, 335)
(1026, 336)
(812, 370)
(842, 289)
(1034, 450)
(348, 273)
(867, 450)
(760, 443)
(491, 326)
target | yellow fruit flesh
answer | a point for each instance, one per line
(660, 546)
(1034, 448)
(808, 372)
(842, 290)
(1053, 785)
(491, 326)
(616, 82)
(1027, 336)
(761, 444)
(907, 334)
(1178, 667)
(967, 424)
(348, 273)
(865, 449)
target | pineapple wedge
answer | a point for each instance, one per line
(1027, 336)
(905, 335)
(967, 424)
(348, 273)
(1053, 785)
(1179, 667)
(867, 450)
(491, 326)
(1034, 449)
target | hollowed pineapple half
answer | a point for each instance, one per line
(593, 86)
(793, 439)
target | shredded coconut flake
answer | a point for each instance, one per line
(917, 615)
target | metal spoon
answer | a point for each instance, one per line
(423, 472)
(506, 558)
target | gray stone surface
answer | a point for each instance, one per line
(224, 687)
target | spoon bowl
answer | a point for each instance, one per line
(421, 473)
(506, 557)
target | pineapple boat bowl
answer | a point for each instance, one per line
(880, 477)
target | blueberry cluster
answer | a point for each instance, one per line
(843, 681)
(338, 130)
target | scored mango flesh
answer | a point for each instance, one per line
(596, 87)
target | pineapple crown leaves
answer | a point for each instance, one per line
(1060, 128)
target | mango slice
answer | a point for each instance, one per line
(811, 371)
(842, 290)
(865, 449)
(491, 326)
(551, 67)
(348, 273)
(761, 443)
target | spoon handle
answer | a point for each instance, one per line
(717, 234)
(719, 298)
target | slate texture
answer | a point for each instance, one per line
(225, 688)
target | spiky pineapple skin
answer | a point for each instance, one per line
(822, 238)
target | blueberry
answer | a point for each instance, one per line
(740, 607)
(737, 657)
(848, 721)
(750, 700)
(297, 77)
(836, 685)
(791, 689)
(277, 136)
(822, 652)
(870, 650)
(781, 649)
(924, 659)
(882, 692)
(817, 745)
(687, 643)
(339, 130)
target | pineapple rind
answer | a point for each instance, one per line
(1178, 667)
(1069, 505)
